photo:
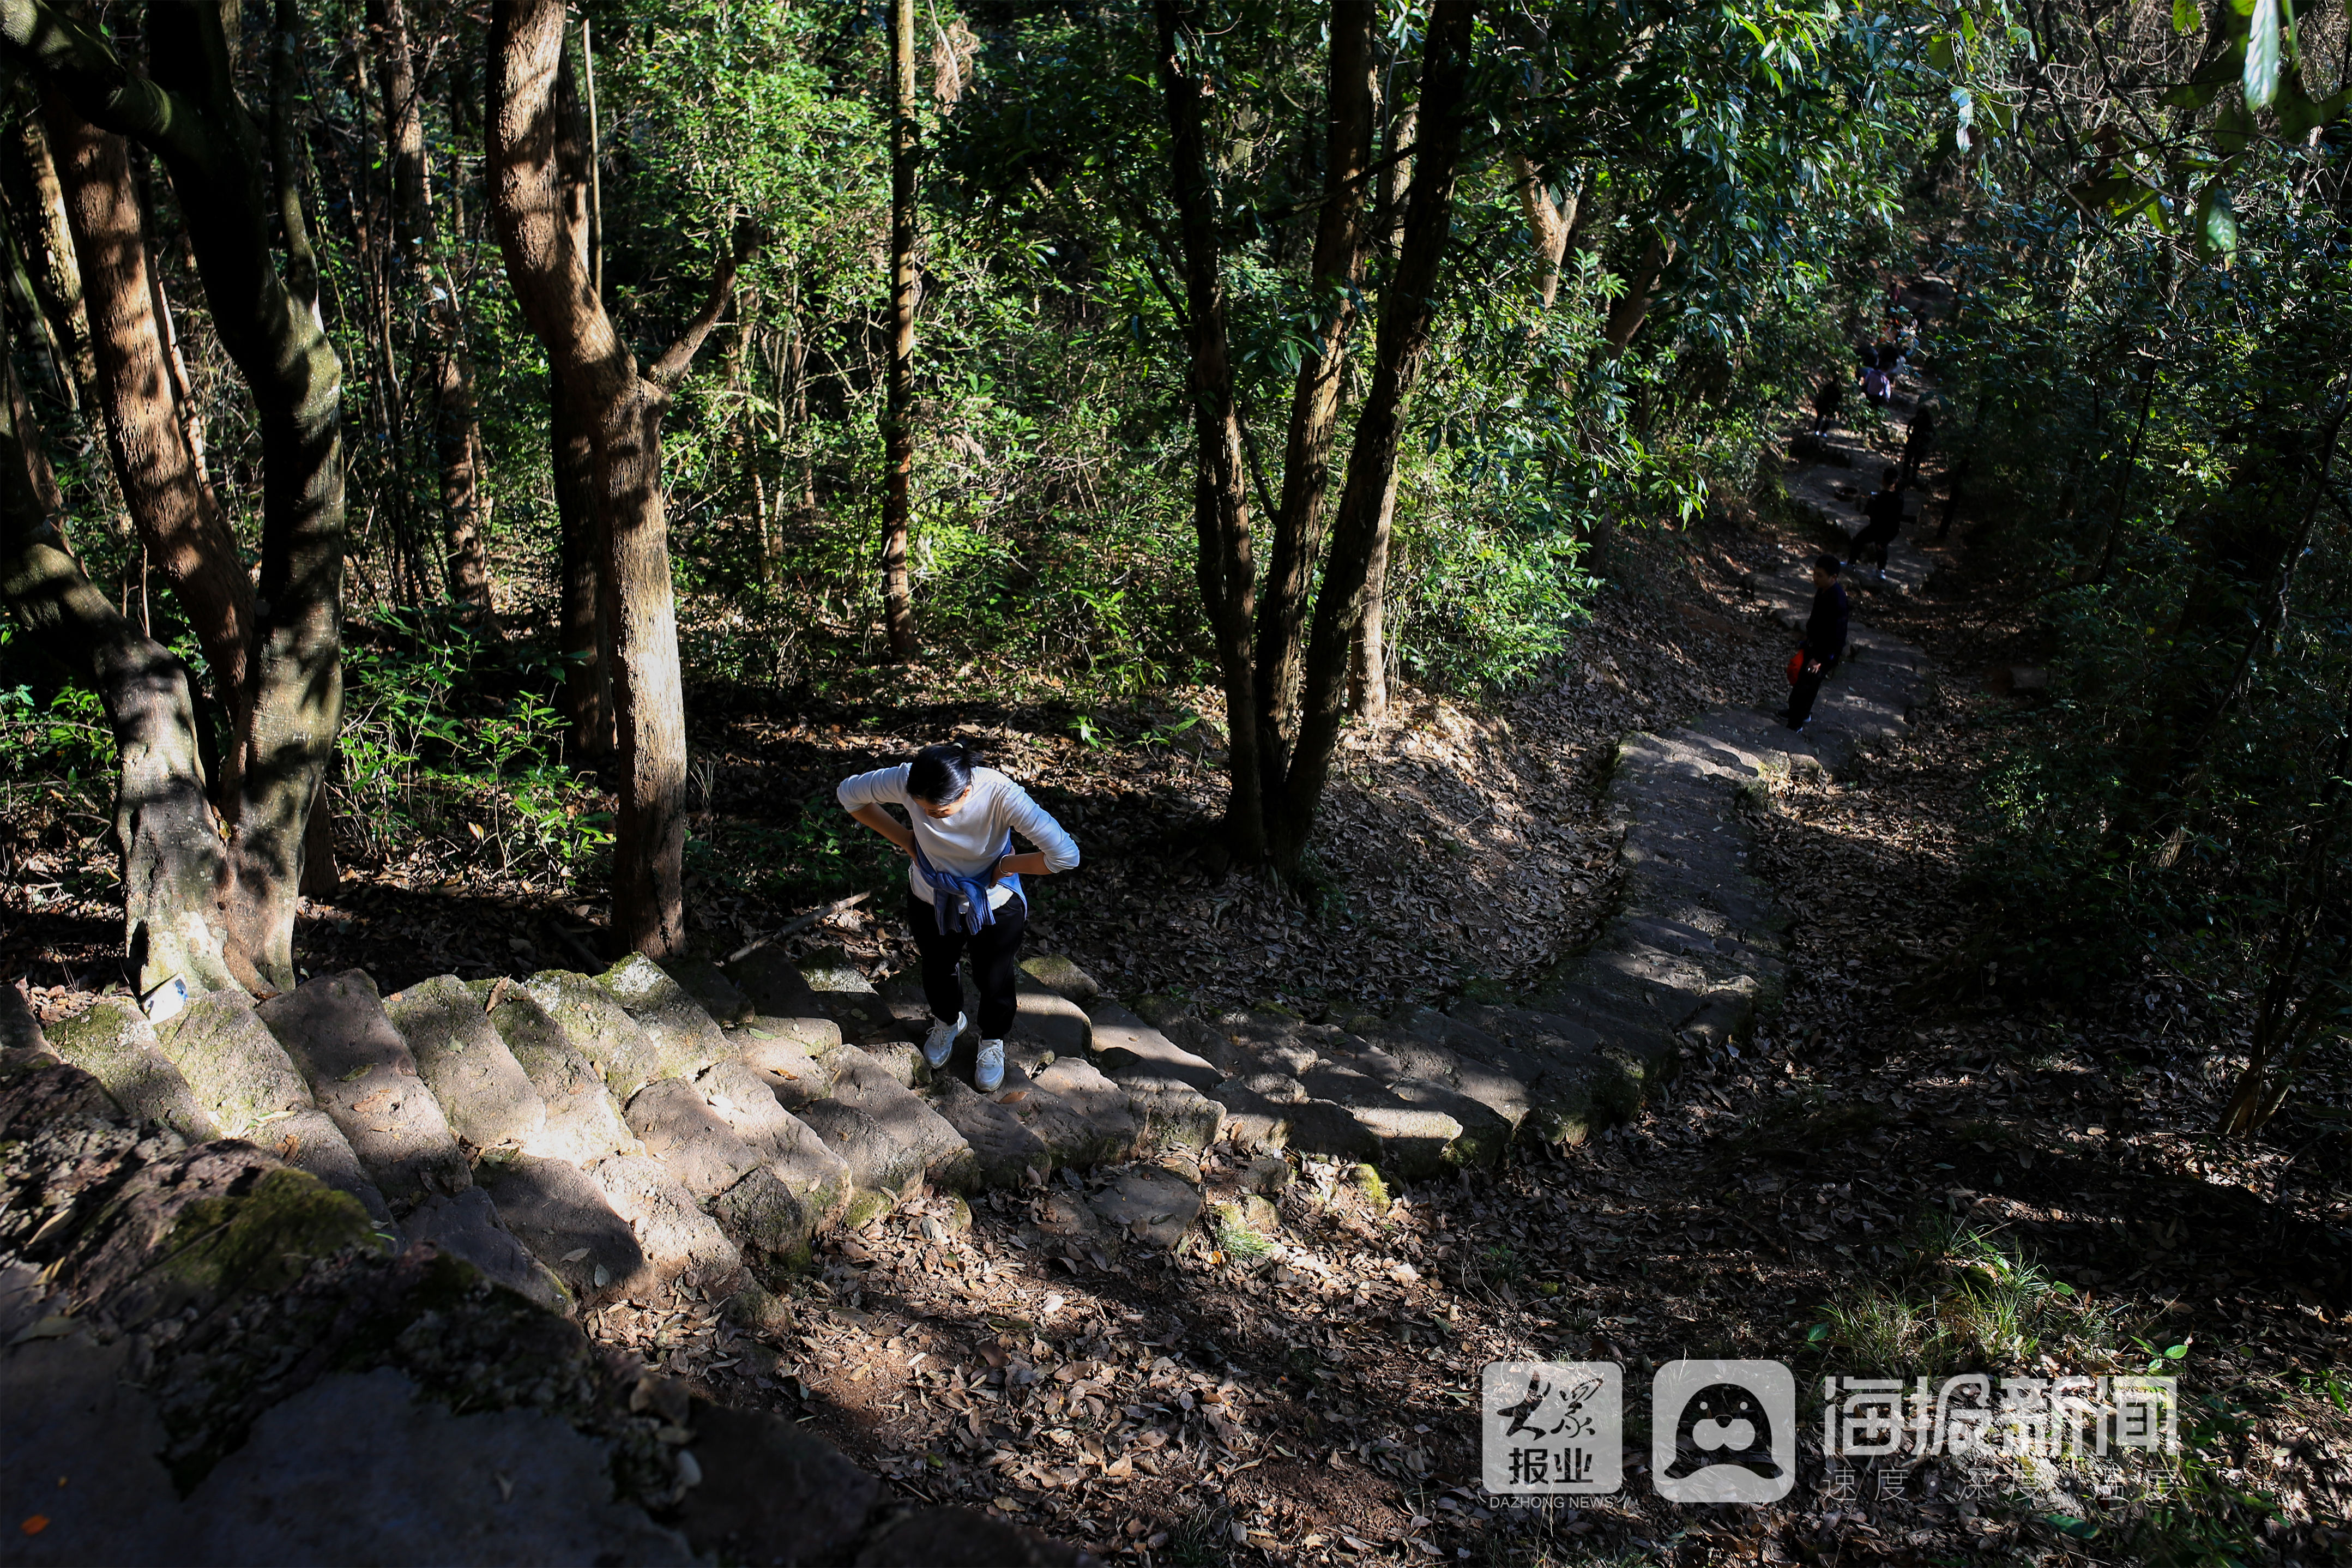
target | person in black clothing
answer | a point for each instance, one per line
(1883, 520)
(1825, 643)
(1916, 444)
(1827, 400)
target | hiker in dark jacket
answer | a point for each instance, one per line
(1882, 520)
(1916, 444)
(963, 884)
(1825, 643)
(1828, 398)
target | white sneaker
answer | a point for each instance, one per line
(988, 1076)
(939, 1043)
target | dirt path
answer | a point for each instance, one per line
(1847, 1194)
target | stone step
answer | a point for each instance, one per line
(112, 1041)
(817, 1178)
(563, 1219)
(887, 1134)
(781, 1000)
(1498, 1084)
(362, 1075)
(1061, 975)
(20, 1030)
(310, 1140)
(1163, 1082)
(679, 1127)
(847, 996)
(599, 1027)
(671, 1228)
(468, 1225)
(238, 1071)
(485, 1094)
(685, 1037)
(718, 995)
(797, 1066)
(1128, 1047)
(583, 1122)
(1027, 1125)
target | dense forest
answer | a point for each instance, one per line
(507, 460)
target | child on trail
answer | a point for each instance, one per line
(1883, 521)
(1825, 643)
(963, 883)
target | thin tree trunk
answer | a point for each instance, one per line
(1340, 242)
(1548, 223)
(587, 659)
(172, 864)
(174, 511)
(455, 433)
(1368, 669)
(1221, 487)
(1625, 314)
(56, 275)
(897, 428)
(622, 409)
(1408, 312)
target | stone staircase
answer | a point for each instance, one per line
(583, 1138)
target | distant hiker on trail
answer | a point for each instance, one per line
(1824, 642)
(1916, 444)
(963, 884)
(1877, 386)
(1882, 520)
(1828, 398)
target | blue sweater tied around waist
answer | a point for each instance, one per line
(960, 904)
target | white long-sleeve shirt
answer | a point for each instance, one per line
(967, 843)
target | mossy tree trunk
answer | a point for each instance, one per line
(187, 110)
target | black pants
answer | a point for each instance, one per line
(996, 951)
(1807, 688)
(1873, 540)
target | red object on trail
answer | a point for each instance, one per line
(1796, 666)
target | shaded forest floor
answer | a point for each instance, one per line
(1863, 1189)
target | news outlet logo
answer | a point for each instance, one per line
(1553, 1428)
(1723, 1431)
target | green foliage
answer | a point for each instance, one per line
(441, 742)
(1960, 1299)
(63, 734)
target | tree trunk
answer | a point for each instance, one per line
(587, 660)
(1340, 242)
(1221, 487)
(455, 433)
(1548, 223)
(897, 428)
(623, 410)
(56, 276)
(1626, 312)
(172, 864)
(1368, 669)
(188, 113)
(1408, 310)
(185, 534)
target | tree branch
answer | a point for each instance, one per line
(670, 368)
